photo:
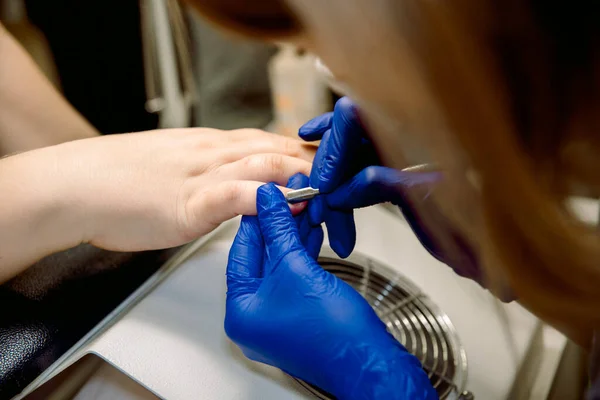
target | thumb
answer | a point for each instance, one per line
(246, 254)
(278, 227)
(244, 266)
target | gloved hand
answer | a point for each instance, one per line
(310, 236)
(284, 310)
(349, 175)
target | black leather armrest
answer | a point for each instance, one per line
(52, 305)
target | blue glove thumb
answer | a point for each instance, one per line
(279, 229)
(311, 236)
(284, 310)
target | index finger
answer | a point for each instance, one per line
(338, 148)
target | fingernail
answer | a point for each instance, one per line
(297, 208)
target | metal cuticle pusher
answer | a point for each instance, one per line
(307, 193)
(300, 195)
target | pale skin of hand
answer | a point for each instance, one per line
(138, 191)
(130, 192)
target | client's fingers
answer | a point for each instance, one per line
(207, 208)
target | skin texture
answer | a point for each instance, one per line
(128, 192)
(138, 191)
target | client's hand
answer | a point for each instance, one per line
(136, 192)
(283, 309)
(165, 188)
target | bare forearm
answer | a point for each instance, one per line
(32, 112)
(36, 218)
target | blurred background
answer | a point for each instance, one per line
(131, 65)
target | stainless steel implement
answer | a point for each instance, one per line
(300, 195)
(307, 193)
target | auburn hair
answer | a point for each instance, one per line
(516, 83)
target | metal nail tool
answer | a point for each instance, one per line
(307, 193)
(300, 195)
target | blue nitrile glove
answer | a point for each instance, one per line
(284, 310)
(340, 223)
(311, 236)
(349, 175)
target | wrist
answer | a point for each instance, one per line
(37, 217)
(388, 372)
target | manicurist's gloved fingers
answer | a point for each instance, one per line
(340, 224)
(297, 181)
(314, 241)
(316, 210)
(278, 227)
(338, 148)
(375, 185)
(311, 236)
(341, 231)
(316, 127)
(246, 254)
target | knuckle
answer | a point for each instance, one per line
(229, 192)
(214, 167)
(273, 163)
(371, 175)
(250, 162)
(291, 147)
